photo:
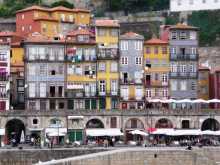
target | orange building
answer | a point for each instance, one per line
(50, 21)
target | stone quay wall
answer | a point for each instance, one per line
(142, 156)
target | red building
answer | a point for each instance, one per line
(215, 87)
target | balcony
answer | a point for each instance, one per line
(80, 58)
(4, 78)
(109, 93)
(108, 53)
(186, 57)
(3, 95)
(129, 81)
(183, 75)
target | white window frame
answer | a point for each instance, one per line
(138, 60)
(124, 45)
(124, 60)
(32, 90)
(43, 90)
(114, 67)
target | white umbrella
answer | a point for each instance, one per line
(168, 101)
(138, 132)
(184, 101)
(22, 137)
(155, 100)
(214, 101)
(200, 101)
(208, 132)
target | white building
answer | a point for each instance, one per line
(193, 5)
(4, 76)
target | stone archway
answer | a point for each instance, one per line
(133, 124)
(14, 129)
(210, 124)
(94, 123)
(164, 123)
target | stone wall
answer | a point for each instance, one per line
(142, 156)
(28, 157)
(210, 54)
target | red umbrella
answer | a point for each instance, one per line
(151, 130)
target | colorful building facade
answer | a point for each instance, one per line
(203, 83)
(50, 21)
(183, 40)
(131, 71)
(81, 70)
(44, 73)
(107, 39)
(156, 69)
(4, 76)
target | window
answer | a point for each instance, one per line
(156, 50)
(44, 28)
(114, 67)
(114, 32)
(43, 69)
(114, 87)
(173, 84)
(101, 32)
(193, 35)
(22, 16)
(32, 53)
(35, 121)
(193, 50)
(148, 50)
(32, 89)
(30, 27)
(102, 86)
(164, 78)
(139, 93)
(193, 86)
(22, 28)
(113, 122)
(61, 105)
(60, 69)
(52, 72)
(43, 105)
(183, 85)
(174, 35)
(138, 60)
(71, 18)
(165, 92)
(52, 91)
(156, 77)
(43, 89)
(138, 45)
(102, 66)
(183, 68)
(148, 93)
(173, 68)
(52, 104)
(164, 50)
(42, 53)
(32, 105)
(124, 45)
(183, 35)
(62, 17)
(124, 93)
(173, 50)
(124, 60)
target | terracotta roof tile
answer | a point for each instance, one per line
(80, 32)
(107, 23)
(155, 41)
(58, 8)
(130, 34)
(183, 26)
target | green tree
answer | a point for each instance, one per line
(62, 3)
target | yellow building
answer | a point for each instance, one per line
(107, 37)
(50, 21)
(81, 70)
(203, 83)
(156, 57)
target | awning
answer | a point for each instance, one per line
(35, 129)
(104, 132)
(75, 117)
(56, 131)
(2, 131)
(138, 132)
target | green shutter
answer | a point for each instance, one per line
(79, 135)
(70, 104)
(102, 103)
(75, 135)
(93, 106)
(87, 104)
